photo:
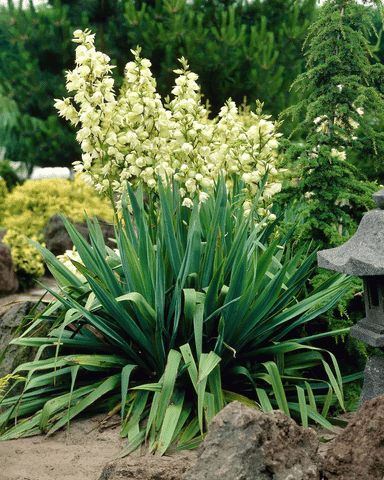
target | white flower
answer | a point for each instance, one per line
(111, 138)
(247, 177)
(151, 183)
(206, 182)
(261, 211)
(66, 260)
(191, 185)
(187, 148)
(187, 202)
(137, 109)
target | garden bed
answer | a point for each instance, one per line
(91, 446)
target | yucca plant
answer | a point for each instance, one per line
(194, 309)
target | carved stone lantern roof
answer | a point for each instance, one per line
(363, 254)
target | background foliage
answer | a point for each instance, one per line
(252, 51)
(33, 53)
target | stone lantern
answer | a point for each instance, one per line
(363, 256)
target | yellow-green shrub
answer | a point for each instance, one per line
(29, 206)
(28, 262)
(26, 210)
(3, 188)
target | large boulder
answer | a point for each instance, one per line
(358, 452)
(245, 443)
(57, 240)
(8, 278)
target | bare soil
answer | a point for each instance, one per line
(79, 454)
(90, 450)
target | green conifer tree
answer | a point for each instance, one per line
(340, 87)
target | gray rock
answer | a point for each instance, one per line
(373, 380)
(58, 241)
(243, 443)
(3, 232)
(378, 197)
(10, 321)
(149, 467)
(8, 278)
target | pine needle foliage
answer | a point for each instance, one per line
(340, 86)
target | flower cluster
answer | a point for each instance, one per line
(73, 255)
(135, 137)
(66, 260)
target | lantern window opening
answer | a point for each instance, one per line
(373, 294)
